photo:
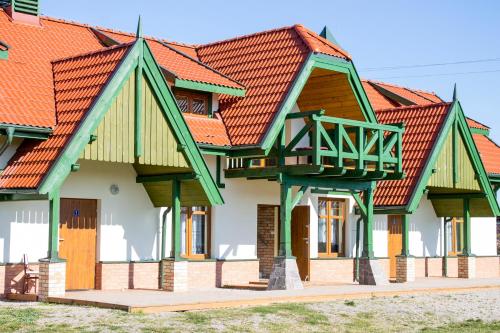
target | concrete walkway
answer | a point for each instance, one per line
(149, 301)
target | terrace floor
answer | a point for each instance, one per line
(150, 301)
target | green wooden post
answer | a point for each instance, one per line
(380, 150)
(360, 146)
(405, 250)
(455, 152)
(339, 144)
(281, 147)
(285, 220)
(316, 141)
(176, 217)
(54, 214)
(467, 248)
(368, 223)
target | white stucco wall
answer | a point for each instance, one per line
(129, 223)
(484, 236)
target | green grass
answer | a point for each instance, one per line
(466, 326)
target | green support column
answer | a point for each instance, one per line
(467, 246)
(176, 217)
(368, 223)
(285, 220)
(54, 213)
(405, 250)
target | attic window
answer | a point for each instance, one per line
(191, 102)
(4, 50)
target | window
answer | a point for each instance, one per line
(455, 236)
(190, 102)
(195, 225)
(331, 221)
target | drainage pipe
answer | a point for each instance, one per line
(358, 227)
(8, 140)
(162, 243)
(446, 220)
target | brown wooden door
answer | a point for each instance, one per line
(395, 242)
(77, 242)
(300, 239)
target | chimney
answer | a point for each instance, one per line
(24, 11)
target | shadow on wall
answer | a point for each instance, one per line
(429, 240)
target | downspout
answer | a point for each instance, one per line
(8, 141)
(163, 241)
(446, 220)
(358, 227)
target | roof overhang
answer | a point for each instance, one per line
(25, 132)
(207, 87)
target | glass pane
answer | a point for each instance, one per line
(199, 106)
(322, 235)
(183, 228)
(183, 103)
(334, 224)
(336, 208)
(322, 207)
(198, 234)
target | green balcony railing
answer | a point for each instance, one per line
(347, 144)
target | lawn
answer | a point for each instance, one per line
(471, 312)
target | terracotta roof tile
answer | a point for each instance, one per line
(27, 92)
(377, 100)
(181, 64)
(77, 82)
(207, 130)
(476, 124)
(418, 97)
(267, 64)
(422, 127)
(489, 152)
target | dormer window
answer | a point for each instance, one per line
(192, 102)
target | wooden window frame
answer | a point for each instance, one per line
(454, 250)
(190, 95)
(188, 234)
(328, 216)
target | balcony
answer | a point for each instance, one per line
(320, 145)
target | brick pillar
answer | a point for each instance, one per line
(175, 275)
(52, 279)
(405, 269)
(285, 275)
(371, 272)
(466, 267)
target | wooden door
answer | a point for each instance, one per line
(77, 242)
(395, 242)
(300, 239)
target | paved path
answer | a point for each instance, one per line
(156, 300)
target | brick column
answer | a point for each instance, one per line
(466, 267)
(175, 275)
(405, 269)
(371, 272)
(52, 279)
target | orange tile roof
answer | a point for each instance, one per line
(267, 64)
(377, 100)
(418, 97)
(489, 152)
(27, 92)
(207, 130)
(476, 124)
(181, 64)
(422, 127)
(77, 82)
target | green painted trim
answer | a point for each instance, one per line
(23, 197)
(138, 96)
(285, 249)
(391, 211)
(179, 126)
(455, 140)
(167, 177)
(25, 132)
(71, 152)
(368, 222)
(4, 54)
(54, 212)
(327, 183)
(218, 170)
(466, 251)
(213, 88)
(317, 61)
(300, 193)
(176, 218)
(485, 132)
(436, 196)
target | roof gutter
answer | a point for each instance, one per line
(10, 136)
(26, 132)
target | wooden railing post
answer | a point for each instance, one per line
(316, 141)
(339, 144)
(380, 150)
(360, 146)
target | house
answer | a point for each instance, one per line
(135, 162)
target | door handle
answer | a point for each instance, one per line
(61, 239)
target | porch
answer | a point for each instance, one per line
(151, 301)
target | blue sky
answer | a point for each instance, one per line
(376, 33)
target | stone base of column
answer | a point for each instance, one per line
(175, 275)
(371, 272)
(405, 269)
(285, 275)
(52, 281)
(466, 267)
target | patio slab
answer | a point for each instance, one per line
(149, 301)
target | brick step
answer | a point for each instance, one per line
(253, 285)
